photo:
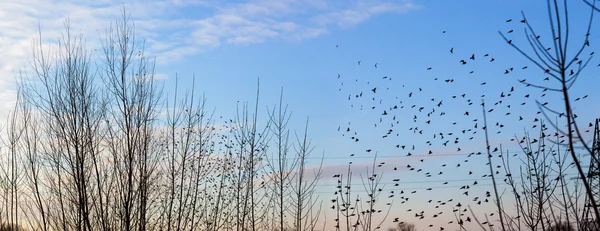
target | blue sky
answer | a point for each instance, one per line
(302, 46)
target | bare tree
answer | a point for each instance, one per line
(542, 178)
(89, 146)
(30, 143)
(11, 172)
(564, 66)
(304, 201)
(280, 164)
(345, 205)
(129, 75)
(373, 188)
(72, 111)
(187, 143)
(251, 144)
(355, 211)
(291, 186)
(542, 189)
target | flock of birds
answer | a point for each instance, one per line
(425, 124)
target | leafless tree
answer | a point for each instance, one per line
(544, 192)
(251, 145)
(356, 211)
(9, 166)
(345, 205)
(304, 201)
(129, 77)
(564, 66)
(30, 143)
(187, 143)
(90, 146)
(542, 189)
(291, 185)
(280, 164)
(373, 188)
(72, 109)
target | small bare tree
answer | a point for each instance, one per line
(304, 201)
(9, 166)
(360, 213)
(373, 188)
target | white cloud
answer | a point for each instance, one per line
(173, 33)
(175, 29)
(260, 20)
(361, 12)
(160, 76)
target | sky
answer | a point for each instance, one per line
(402, 48)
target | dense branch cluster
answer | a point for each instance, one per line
(92, 145)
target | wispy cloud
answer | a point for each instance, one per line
(258, 21)
(179, 28)
(175, 29)
(361, 12)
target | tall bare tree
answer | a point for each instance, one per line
(251, 145)
(129, 77)
(280, 164)
(72, 109)
(188, 148)
(563, 62)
